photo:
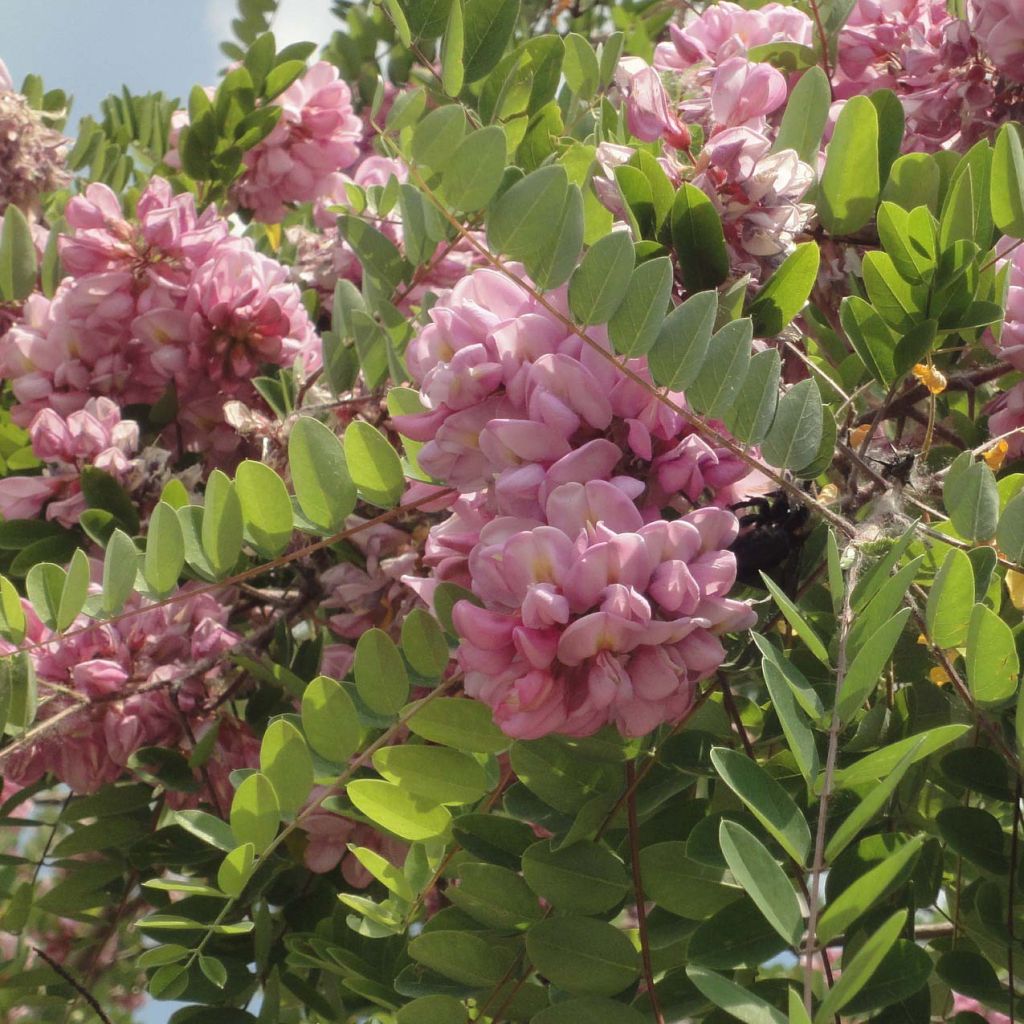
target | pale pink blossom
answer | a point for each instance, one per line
(649, 114)
(317, 135)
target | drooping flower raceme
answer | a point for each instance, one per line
(93, 436)
(594, 617)
(318, 134)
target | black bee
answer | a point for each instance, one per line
(769, 535)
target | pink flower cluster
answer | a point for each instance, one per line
(93, 436)
(999, 27)
(317, 136)
(166, 298)
(518, 403)
(596, 610)
(593, 617)
(140, 675)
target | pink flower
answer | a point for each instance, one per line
(648, 114)
(317, 135)
(593, 618)
(999, 26)
(742, 92)
(726, 30)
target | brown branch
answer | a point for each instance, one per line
(75, 984)
(638, 893)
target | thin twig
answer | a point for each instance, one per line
(75, 984)
(818, 864)
(638, 894)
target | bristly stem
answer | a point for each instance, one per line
(638, 892)
(818, 864)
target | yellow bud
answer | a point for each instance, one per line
(939, 676)
(996, 455)
(931, 378)
(858, 434)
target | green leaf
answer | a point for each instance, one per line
(850, 185)
(381, 261)
(993, 665)
(737, 936)
(329, 720)
(423, 644)
(592, 1009)
(737, 1000)
(798, 733)
(870, 336)
(767, 800)
(18, 692)
(795, 434)
(855, 900)
(951, 599)
(958, 220)
(74, 591)
(891, 124)
(755, 404)
(384, 871)
(12, 612)
(523, 221)
(584, 878)
(552, 266)
(698, 240)
(894, 230)
(17, 257)
(381, 678)
(286, 762)
(266, 507)
(488, 29)
(786, 291)
(764, 881)
(805, 117)
(165, 550)
(236, 869)
(800, 625)
(634, 326)
(459, 722)
(902, 974)
(222, 523)
(914, 180)
(255, 812)
(466, 957)
(599, 284)
(896, 301)
(102, 491)
(583, 956)
(475, 171)
(120, 565)
(214, 970)
(862, 676)
(971, 498)
(44, 585)
(861, 967)
(859, 817)
(722, 373)
(323, 487)
(207, 828)
(374, 465)
(883, 762)
(393, 808)
(580, 66)
(1007, 182)
(438, 136)
(495, 896)
(682, 343)
(1010, 532)
(438, 774)
(975, 834)
(453, 71)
